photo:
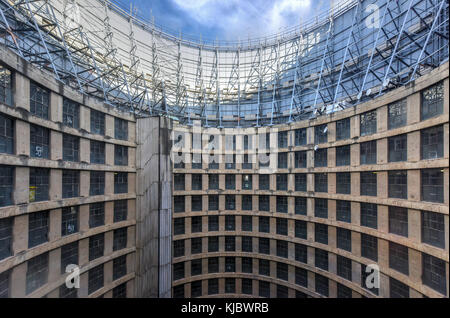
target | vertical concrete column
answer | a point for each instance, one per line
(55, 191)
(55, 225)
(131, 131)
(332, 238)
(109, 126)
(355, 180)
(356, 243)
(331, 157)
(356, 273)
(109, 154)
(415, 266)
(383, 253)
(354, 126)
(56, 107)
(131, 182)
(414, 226)
(310, 207)
(310, 135)
(22, 91)
(19, 276)
(382, 118)
(56, 145)
(83, 292)
(85, 150)
(331, 131)
(310, 182)
(413, 185)
(383, 218)
(332, 183)
(20, 234)
(356, 212)
(109, 183)
(332, 210)
(413, 146)
(22, 141)
(109, 239)
(382, 184)
(354, 155)
(85, 178)
(84, 217)
(109, 212)
(83, 251)
(384, 286)
(382, 151)
(54, 265)
(21, 185)
(108, 276)
(413, 103)
(85, 118)
(131, 157)
(310, 159)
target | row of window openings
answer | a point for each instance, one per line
(39, 225)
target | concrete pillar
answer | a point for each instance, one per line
(84, 183)
(109, 183)
(55, 225)
(20, 234)
(55, 191)
(382, 118)
(19, 277)
(413, 103)
(22, 91)
(21, 185)
(109, 126)
(84, 217)
(413, 185)
(354, 126)
(56, 145)
(382, 151)
(354, 155)
(382, 184)
(85, 150)
(355, 180)
(56, 107)
(85, 118)
(22, 140)
(109, 154)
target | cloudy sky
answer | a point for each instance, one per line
(228, 19)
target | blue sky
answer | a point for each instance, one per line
(228, 19)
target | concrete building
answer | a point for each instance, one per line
(311, 163)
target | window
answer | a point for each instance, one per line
(95, 279)
(282, 227)
(39, 100)
(69, 220)
(120, 291)
(264, 289)
(6, 131)
(96, 214)
(321, 157)
(247, 202)
(343, 129)
(71, 148)
(120, 182)
(230, 223)
(247, 265)
(300, 137)
(213, 265)
(282, 139)
(230, 264)
(70, 184)
(344, 267)
(343, 211)
(196, 288)
(301, 277)
(6, 185)
(196, 224)
(433, 229)
(6, 231)
(120, 239)
(178, 291)
(37, 228)
(39, 142)
(230, 286)
(178, 248)
(119, 267)
(264, 224)
(196, 181)
(264, 267)
(368, 123)
(398, 221)
(196, 203)
(230, 202)
(178, 182)
(368, 152)
(97, 152)
(282, 180)
(368, 183)
(247, 223)
(432, 143)
(37, 272)
(322, 285)
(230, 161)
(120, 155)
(365, 278)
(344, 239)
(398, 185)
(196, 161)
(321, 233)
(97, 122)
(246, 164)
(213, 223)
(213, 286)
(39, 184)
(97, 183)
(321, 134)
(369, 213)
(282, 271)
(343, 155)
(120, 210)
(398, 258)
(230, 181)
(264, 203)
(213, 244)
(96, 246)
(213, 182)
(213, 202)
(71, 113)
(369, 247)
(321, 208)
(321, 259)
(300, 159)
(230, 244)
(282, 160)
(264, 182)
(343, 291)
(264, 245)
(301, 229)
(434, 273)
(432, 101)
(246, 182)
(196, 245)
(301, 253)
(69, 255)
(300, 205)
(247, 286)
(432, 185)
(282, 204)
(397, 289)
(397, 114)
(247, 244)
(120, 129)
(343, 183)
(321, 182)
(6, 95)
(397, 148)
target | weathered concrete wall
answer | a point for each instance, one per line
(154, 208)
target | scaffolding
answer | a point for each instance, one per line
(359, 50)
